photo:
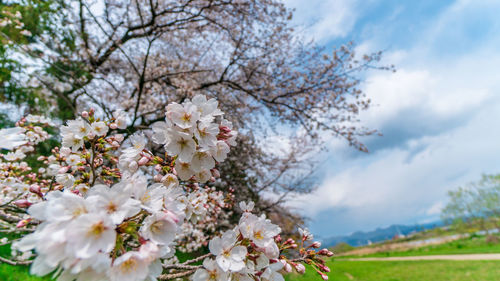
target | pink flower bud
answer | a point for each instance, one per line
(324, 268)
(300, 268)
(22, 203)
(85, 114)
(224, 129)
(35, 188)
(22, 223)
(293, 246)
(316, 244)
(324, 276)
(158, 178)
(143, 161)
(113, 126)
(158, 167)
(215, 173)
(115, 144)
(277, 238)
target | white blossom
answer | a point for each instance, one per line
(181, 144)
(210, 272)
(114, 202)
(12, 137)
(91, 233)
(228, 255)
(100, 128)
(160, 227)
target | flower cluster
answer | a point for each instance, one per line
(19, 184)
(248, 252)
(14, 19)
(104, 206)
(191, 134)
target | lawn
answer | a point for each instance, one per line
(471, 245)
(407, 271)
(17, 273)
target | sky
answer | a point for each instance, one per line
(439, 112)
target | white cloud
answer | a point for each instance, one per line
(323, 20)
(435, 209)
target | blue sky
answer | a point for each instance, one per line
(438, 113)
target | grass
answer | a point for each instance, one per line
(17, 273)
(471, 245)
(406, 271)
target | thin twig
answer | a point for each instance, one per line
(11, 262)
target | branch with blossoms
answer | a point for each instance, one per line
(103, 208)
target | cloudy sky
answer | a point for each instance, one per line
(439, 113)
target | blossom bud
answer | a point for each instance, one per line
(289, 241)
(300, 268)
(143, 161)
(158, 178)
(277, 238)
(52, 158)
(293, 246)
(23, 203)
(316, 244)
(35, 188)
(224, 129)
(22, 223)
(40, 158)
(324, 268)
(325, 252)
(91, 112)
(41, 170)
(324, 276)
(115, 144)
(113, 126)
(212, 179)
(85, 114)
(215, 173)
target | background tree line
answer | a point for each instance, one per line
(475, 204)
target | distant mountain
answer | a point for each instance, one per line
(361, 238)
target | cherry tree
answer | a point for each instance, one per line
(137, 56)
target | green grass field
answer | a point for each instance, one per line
(17, 273)
(407, 271)
(471, 245)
